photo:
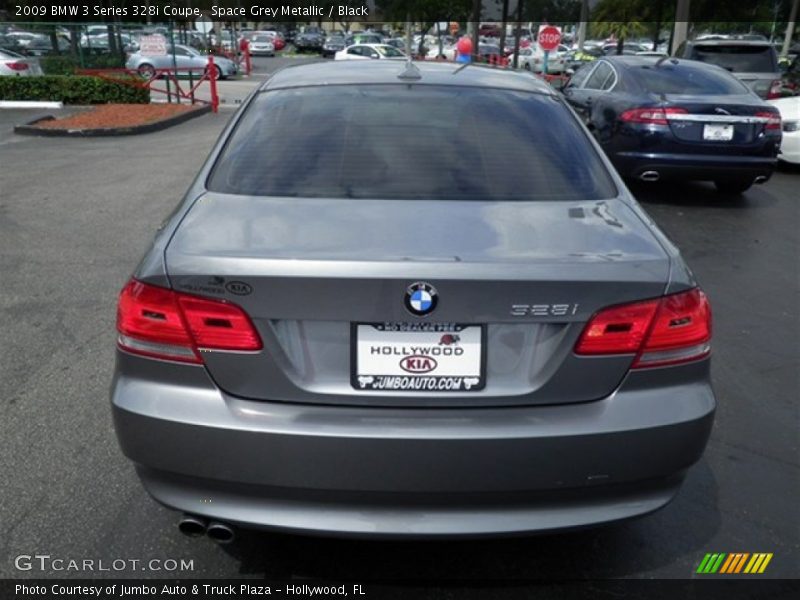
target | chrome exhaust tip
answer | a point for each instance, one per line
(192, 526)
(650, 176)
(220, 532)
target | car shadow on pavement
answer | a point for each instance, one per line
(670, 539)
(699, 194)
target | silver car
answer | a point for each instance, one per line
(755, 63)
(343, 331)
(185, 57)
(262, 44)
(14, 64)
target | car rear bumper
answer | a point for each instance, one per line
(410, 472)
(697, 167)
(790, 147)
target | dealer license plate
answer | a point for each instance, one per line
(717, 133)
(412, 357)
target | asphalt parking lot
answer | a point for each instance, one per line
(75, 216)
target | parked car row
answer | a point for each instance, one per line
(185, 57)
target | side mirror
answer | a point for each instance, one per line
(570, 72)
(374, 56)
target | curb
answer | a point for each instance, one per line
(31, 129)
(30, 104)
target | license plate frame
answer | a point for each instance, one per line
(717, 132)
(423, 382)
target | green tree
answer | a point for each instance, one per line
(621, 19)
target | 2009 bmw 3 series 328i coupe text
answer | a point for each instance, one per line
(365, 318)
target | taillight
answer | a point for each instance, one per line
(618, 329)
(774, 90)
(773, 119)
(217, 325)
(18, 66)
(668, 330)
(161, 323)
(651, 115)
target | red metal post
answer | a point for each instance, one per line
(244, 48)
(212, 80)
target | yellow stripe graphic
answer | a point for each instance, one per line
(760, 559)
(765, 563)
(753, 562)
(741, 562)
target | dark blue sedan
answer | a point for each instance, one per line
(670, 118)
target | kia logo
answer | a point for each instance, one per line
(240, 288)
(418, 364)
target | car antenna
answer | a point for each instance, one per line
(674, 61)
(410, 72)
(462, 67)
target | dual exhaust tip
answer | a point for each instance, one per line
(193, 526)
(650, 176)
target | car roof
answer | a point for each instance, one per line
(643, 60)
(731, 42)
(387, 72)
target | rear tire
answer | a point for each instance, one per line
(735, 186)
(146, 70)
(217, 73)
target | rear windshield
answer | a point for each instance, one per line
(738, 59)
(389, 51)
(684, 79)
(410, 142)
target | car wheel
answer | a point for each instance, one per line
(147, 71)
(217, 72)
(734, 186)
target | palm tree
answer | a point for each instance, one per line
(622, 19)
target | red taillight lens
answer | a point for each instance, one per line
(618, 329)
(650, 115)
(149, 322)
(17, 66)
(219, 325)
(161, 323)
(774, 90)
(773, 119)
(670, 330)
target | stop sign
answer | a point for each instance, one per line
(549, 37)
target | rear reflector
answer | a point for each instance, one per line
(773, 119)
(161, 323)
(668, 330)
(652, 115)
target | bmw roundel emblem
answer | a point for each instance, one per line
(421, 299)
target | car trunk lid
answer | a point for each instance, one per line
(528, 275)
(727, 125)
